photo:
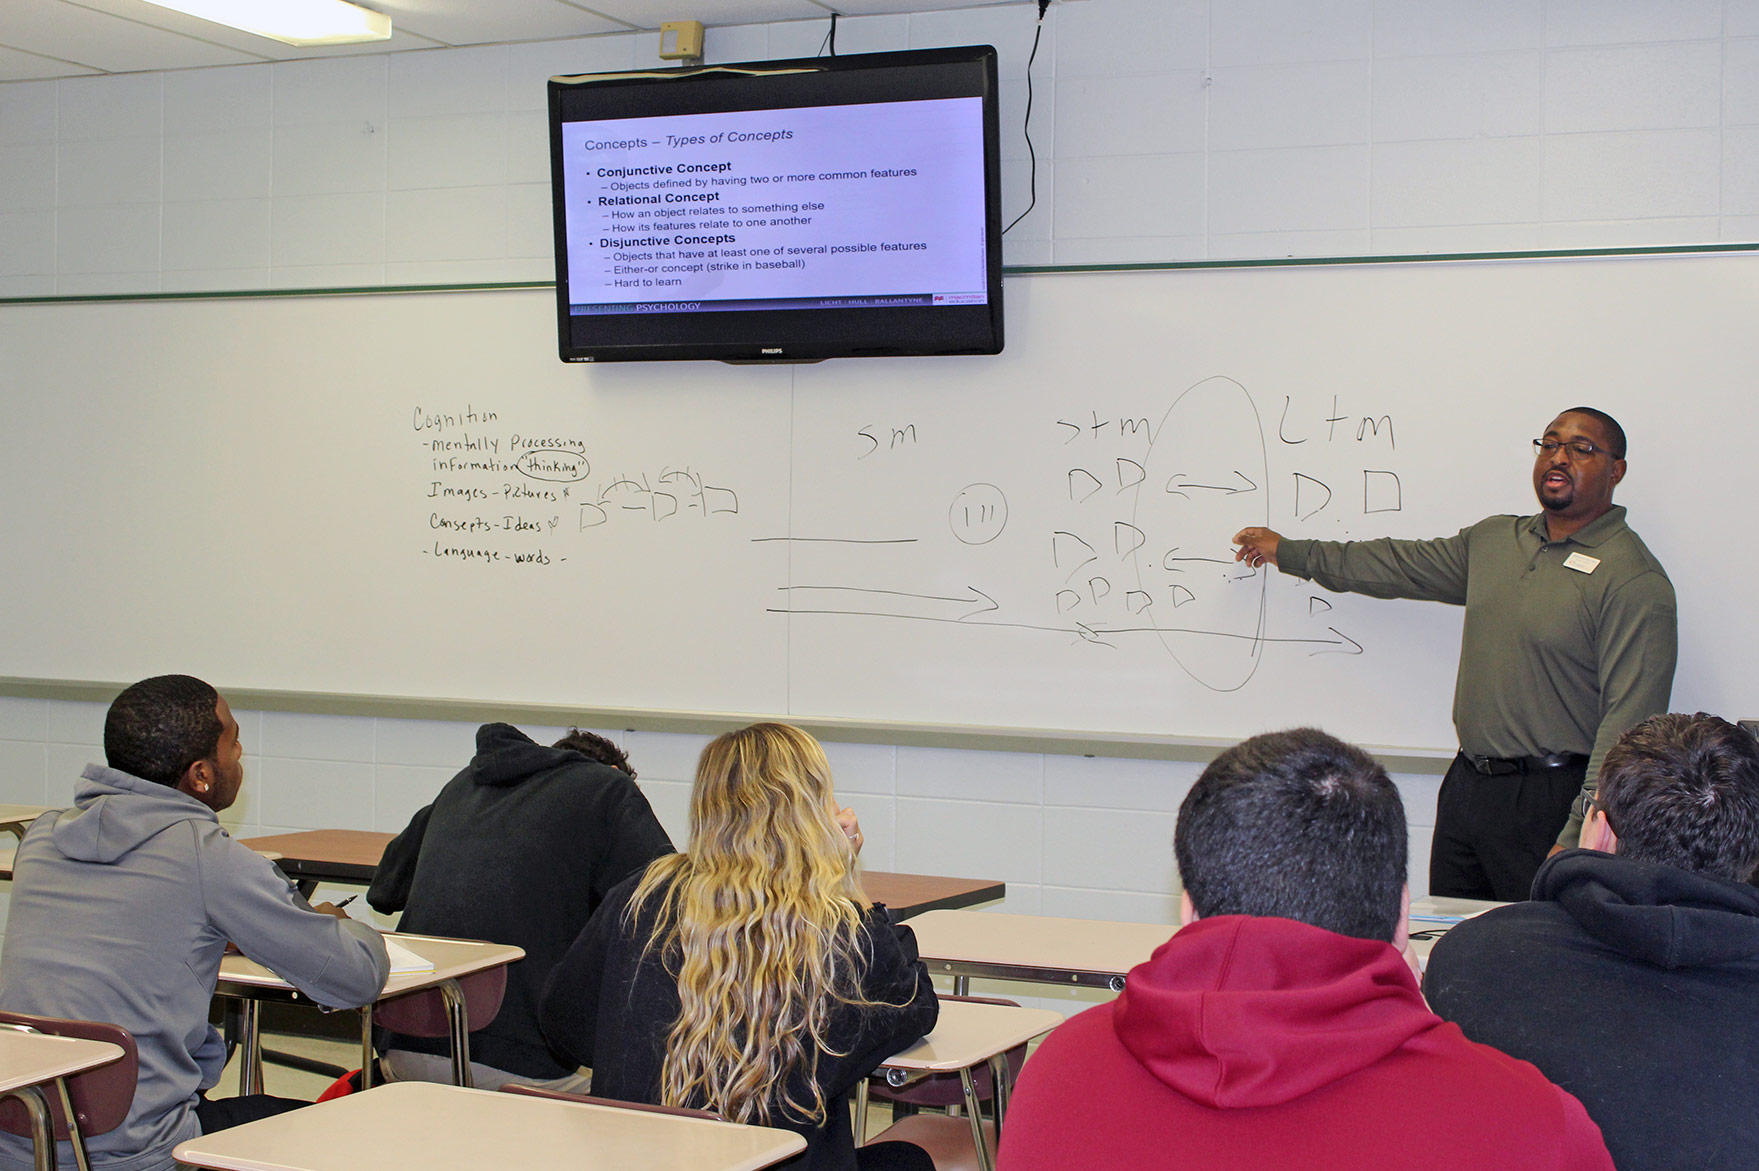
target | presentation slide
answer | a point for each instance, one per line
(815, 207)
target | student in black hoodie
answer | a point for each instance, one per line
(519, 848)
(1631, 977)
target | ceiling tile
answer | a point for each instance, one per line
(99, 40)
(17, 65)
(69, 38)
(880, 7)
(472, 22)
(245, 46)
(650, 14)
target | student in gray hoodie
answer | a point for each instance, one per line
(123, 905)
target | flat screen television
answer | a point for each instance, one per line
(779, 210)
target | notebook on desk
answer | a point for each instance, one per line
(403, 960)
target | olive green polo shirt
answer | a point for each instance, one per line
(1566, 643)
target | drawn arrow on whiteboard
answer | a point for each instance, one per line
(1168, 562)
(1090, 634)
(1178, 485)
(912, 605)
(1355, 648)
(1100, 635)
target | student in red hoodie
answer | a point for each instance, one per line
(1282, 1027)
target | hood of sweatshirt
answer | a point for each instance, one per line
(506, 756)
(1660, 914)
(113, 812)
(1241, 1010)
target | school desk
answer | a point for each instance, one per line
(1081, 952)
(967, 1035)
(352, 856)
(1432, 918)
(252, 984)
(446, 1128)
(15, 819)
(30, 1061)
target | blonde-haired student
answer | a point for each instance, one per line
(748, 975)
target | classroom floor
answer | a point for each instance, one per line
(293, 1083)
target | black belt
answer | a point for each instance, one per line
(1504, 766)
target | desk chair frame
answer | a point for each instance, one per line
(105, 1084)
(447, 1010)
(1001, 1077)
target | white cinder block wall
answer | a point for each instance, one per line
(1070, 835)
(1166, 130)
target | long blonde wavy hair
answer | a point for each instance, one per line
(762, 917)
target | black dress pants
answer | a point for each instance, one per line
(1492, 833)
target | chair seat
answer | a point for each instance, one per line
(947, 1140)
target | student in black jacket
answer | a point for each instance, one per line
(519, 848)
(1631, 976)
(749, 975)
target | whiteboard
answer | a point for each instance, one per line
(405, 494)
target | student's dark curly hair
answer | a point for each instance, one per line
(595, 747)
(159, 727)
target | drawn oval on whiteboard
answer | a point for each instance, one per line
(558, 467)
(1204, 480)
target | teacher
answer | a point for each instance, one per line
(1570, 638)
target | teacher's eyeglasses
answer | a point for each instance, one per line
(1577, 448)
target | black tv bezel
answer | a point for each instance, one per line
(785, 335)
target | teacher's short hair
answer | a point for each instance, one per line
(1297, 825)
(159, 727)
(1615, 434)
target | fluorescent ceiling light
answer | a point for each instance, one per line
(292, 22)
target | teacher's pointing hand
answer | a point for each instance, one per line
(1256, 546)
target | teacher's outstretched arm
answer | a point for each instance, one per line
(1257, 546)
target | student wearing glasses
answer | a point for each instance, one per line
(1570, 638)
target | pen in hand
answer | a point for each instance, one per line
(346, 901)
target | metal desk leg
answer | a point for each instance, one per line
(861, 1113)
(36, 1107)
(250, 1041)
(1001, 1085)
(366, 1047)
(961, 985)
(74, 1138)
(459, 1019)
(985, 1158)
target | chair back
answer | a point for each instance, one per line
(423, 1014)
(644, 1107)
(101, 1097)
(944, 1089)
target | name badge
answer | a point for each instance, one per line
(1582, 563)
